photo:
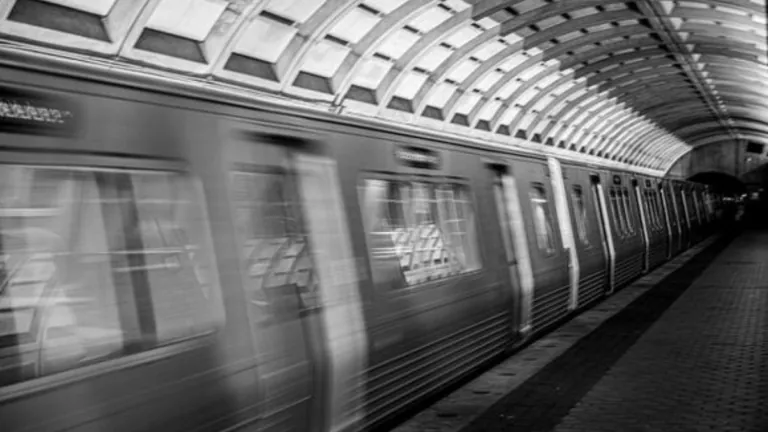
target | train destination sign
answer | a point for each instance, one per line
(418, 157)
(27, 112)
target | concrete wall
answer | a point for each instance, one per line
(726, 157)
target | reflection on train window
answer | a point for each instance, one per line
(419, 231)
(542, 222)
(99, 264)
(580, 211)
(276, 249)
(627, 213)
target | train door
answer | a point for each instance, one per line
(588, 238)
(685, 219)
(671, 225)
(697, 207)
(601, 208)
(642, 205)
(551, 296)
(566, 227)
(300, 281)
(516, 253)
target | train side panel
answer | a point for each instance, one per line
(437, 300)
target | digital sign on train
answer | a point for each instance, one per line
(418, 157)
(34, 113)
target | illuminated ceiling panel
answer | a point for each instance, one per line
(431, 59)
(398, 43)
(324, 58)
(192, 19)
(265, 39)
(430, 19)
(295, 10)
(354, 25)
(96, 7)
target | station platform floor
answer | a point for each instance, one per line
(684, 348)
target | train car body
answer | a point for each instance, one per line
(182, 263)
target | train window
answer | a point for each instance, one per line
(626, 207)
(542, 221)
(580, 212)
(276, 250)
(100, 264)
(659, 211)
(616, 212)
(421, 230)
(646, 203)
(649, 210)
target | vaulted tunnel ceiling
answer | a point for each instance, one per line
(636, 83)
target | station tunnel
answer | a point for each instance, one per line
(345, 215)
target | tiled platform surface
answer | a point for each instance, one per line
(703, 366)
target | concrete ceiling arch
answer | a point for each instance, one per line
(606, 80)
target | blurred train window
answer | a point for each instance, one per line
(419, 231)
(99, 264)
(276, 247)
(542, 221)
(580, 211)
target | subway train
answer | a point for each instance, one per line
(176, 261)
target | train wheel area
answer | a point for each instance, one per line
(679, 349)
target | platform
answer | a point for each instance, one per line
(684, 348)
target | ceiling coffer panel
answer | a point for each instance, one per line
(635, 82)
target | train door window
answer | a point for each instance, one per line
(99, 264)
(622, 212)
(652, 219)
(646, 203)
(627, 213)
(660, 222)
(580, 213)
(275, 240)
(542, 220)
(615, 213)
(655, 209)
(421, 230)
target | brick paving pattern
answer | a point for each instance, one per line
(703, 366)
(561, 395)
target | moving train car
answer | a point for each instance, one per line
(176, 261)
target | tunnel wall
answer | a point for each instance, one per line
(726, 157)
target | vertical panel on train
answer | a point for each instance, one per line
(551, 296)
(300, 280)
